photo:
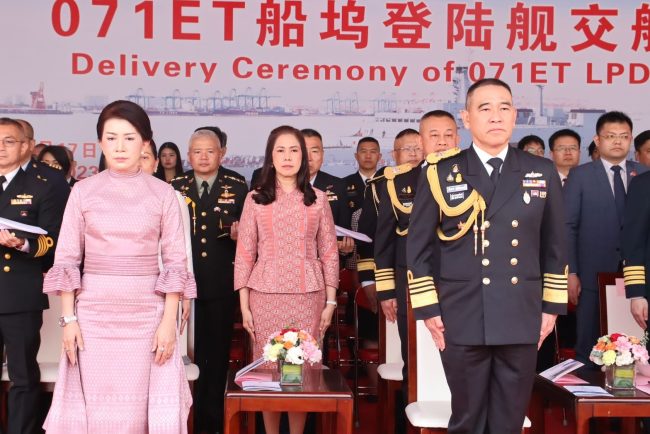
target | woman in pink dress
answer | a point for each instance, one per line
(121, 370)
(287, 262)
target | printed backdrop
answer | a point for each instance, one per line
(346, 68)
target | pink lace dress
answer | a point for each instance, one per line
(117, 224)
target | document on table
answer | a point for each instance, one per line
(587, 391)
(258, 386)
(342, 232)
(555, 372)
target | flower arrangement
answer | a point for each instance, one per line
(619, 349)
(292, 345)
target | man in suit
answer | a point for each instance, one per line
(494, 213)
(594, 196)
(565, 151)
(642, 148)
(27, 199)
(367, 155)
(215, 197)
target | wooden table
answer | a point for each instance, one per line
(323, 391)
(624, 404)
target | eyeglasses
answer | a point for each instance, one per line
(566, 149)
(10, 142)
(410, 149)
(610, 137)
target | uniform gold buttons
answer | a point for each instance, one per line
(203, 241)
(7, 256)
(486, 243)
(515, 223)
(485, 262)
(515, 242)
(203, 214)
(7, 269)
(486, 223)
(486, 281)
(514, 261)
(514, 280)
(204, 254)
(204, 227)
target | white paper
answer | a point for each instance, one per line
(557, 371)
(10, 224)
(342, 232)
(249, 367)
(257, 386)
(587, 391)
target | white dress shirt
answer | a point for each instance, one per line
(610, 173)
(484, 157)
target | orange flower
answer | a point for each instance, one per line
(288, 345)
(610, 346)
(600, 346)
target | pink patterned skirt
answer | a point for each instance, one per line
(116, 387)
(273, 311)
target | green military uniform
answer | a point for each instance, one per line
(500, 263)
(213, 253)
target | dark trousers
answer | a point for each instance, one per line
(213, 329)
(20, 337)
(490, 387)
(587, 324)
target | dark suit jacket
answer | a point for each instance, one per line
(495, 296)
(334, 188)
(31, 200)
(355, 187)
(213, 251)
(592, 225)
(636, 238)
(255, 178)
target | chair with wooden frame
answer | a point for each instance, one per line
(429, 397)
(389, 372)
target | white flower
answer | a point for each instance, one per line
(291, 337)
(295, 356)
(271, 351)
(624, 359)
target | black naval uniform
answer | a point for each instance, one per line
(502, 262)
(355, 187)
(213, 253)
(334, 188)
(636, 237)
(28, 199)
(368, 226)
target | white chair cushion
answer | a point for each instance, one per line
(434, 414)
(192, 372)
(391, 371)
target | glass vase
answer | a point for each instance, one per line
(290, 374)
(620, 377)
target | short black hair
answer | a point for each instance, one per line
(591, 148)
(486, 82)
(527, 140)
(562, 133)
(438, 114)
(309, 132)
(221, 135)
(640, 139)
(613, 117)
(366, 139)
(406, 132)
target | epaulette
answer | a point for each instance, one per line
(392, 171)
(234, 178)
(435, 157)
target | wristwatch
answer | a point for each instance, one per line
(65, 320)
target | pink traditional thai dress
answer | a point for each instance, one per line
(117, 224)
(286, 255)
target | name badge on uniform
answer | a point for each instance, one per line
(21, 201)
(457, 196)
(331, 196)
(456, 188)
(225, 201)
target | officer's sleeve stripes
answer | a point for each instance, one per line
(422, 291)
(385, 279)
(634, 275)
(365, 264)
(555, 288)
(44, 244)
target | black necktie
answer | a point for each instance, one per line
(496, 164)
(2, 181)
(204, 195)
(619, 192)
